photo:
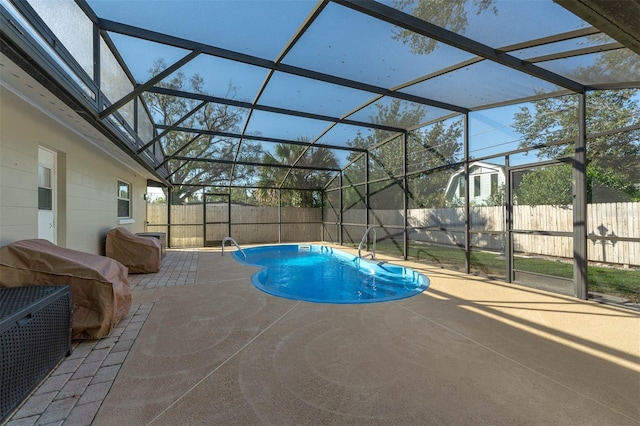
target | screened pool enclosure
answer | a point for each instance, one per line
(499, 138)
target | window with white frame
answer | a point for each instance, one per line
(477, 186)
(494, 183)
(124, 199)
(461, 189)
(45, 191)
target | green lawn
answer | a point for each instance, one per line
(611, 281)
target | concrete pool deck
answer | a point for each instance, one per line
(202, 346)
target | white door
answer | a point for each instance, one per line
(46, 194)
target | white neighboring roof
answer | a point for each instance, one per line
(473, 167)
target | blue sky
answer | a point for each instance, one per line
(339, 43)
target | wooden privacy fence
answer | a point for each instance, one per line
(609, 225)
(249, 224)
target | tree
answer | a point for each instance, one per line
(449, 14)
(545, 186)
(300, 155)
(613, 160)
(498, 196)
(439, 155)
(616, 65)
(159, 200)
(436, 146)
(167, 110)
(383, 158)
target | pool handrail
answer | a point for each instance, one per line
(225, 239)
(364, 239)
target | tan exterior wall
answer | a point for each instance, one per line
(86, 180)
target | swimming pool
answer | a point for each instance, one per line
(326, 275)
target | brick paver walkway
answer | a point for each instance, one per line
(74, 390)
(178, 268)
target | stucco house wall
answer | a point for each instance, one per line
(86, 180)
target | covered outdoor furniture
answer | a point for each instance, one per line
(160, 236)
(140, 254)
(99, 286)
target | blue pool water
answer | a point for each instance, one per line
(326, 275)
